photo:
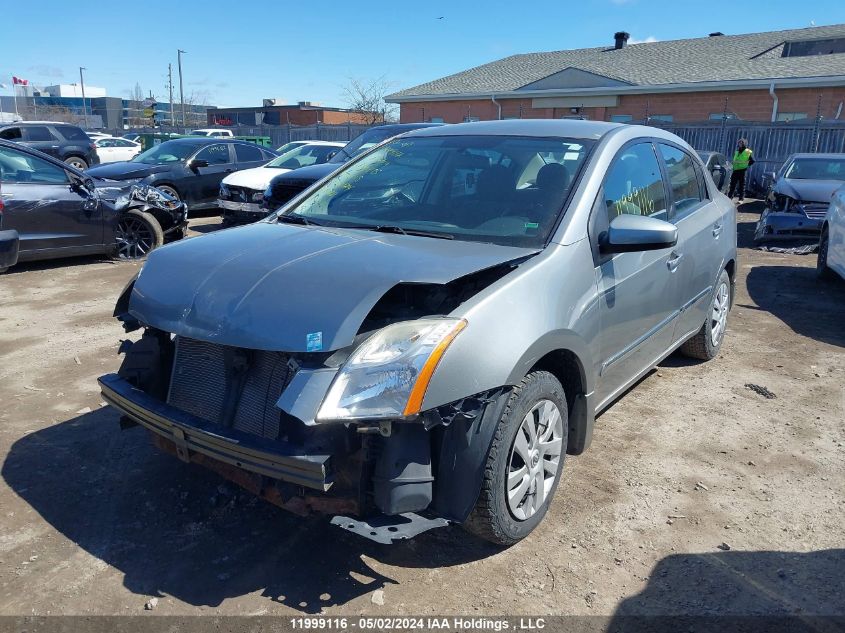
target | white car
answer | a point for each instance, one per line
(114, 150)
(242, 192)
(832, 242)
(213, 133)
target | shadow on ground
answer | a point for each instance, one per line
(64, 262)
(178, 530)
(780, 591)
(793, 294)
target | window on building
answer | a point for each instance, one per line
(807, 48)
(718, 116)
(661, 117)
(621, 118)
(683, 179)
(791, 116)
(634, 184)
(436, 119)
(471, 119)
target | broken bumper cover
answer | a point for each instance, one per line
(242, 211)
(9, 245)
(274, 459)
(786, 225)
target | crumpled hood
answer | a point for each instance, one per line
(257, 178)
(290, 288)
(125, 170)
(807, 190)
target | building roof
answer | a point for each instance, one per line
(725, 58)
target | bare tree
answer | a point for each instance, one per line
(366, 97)
(192, 100)
(136, 106)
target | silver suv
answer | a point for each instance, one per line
(425, 334)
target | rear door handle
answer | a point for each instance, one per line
(674, 261)
(717, 230)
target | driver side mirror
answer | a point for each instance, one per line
(198, 162)
(632, 233)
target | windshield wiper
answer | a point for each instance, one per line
(389, 228)
(290, 218)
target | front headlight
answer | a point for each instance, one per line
(387, 376)
(224, 192)
(257, 197)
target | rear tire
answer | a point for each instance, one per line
(822, 271)
(76, 162)
(138, 233)
(523, 466)
(707, 342)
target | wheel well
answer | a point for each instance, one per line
(731, 268)
(564, 365)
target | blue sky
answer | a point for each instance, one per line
(241, 52)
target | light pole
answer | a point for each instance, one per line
(82, 83)
(179, 53)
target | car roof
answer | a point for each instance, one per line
(20, 123)
(199, 140)
(565, 128)
(329, 143)
(811, 155)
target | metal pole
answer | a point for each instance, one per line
(179, 53)
(170, 87)
(15, 95)
(82, 83)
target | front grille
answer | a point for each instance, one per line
(282, 193)
(815, 213)
(240, 194)
(229, 386)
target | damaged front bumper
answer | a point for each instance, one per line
(190, 434)
(799, 223)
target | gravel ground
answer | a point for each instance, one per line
(698, 496)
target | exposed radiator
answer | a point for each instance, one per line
(230, 386)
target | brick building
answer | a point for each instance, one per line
(302, 113)
(774, 76)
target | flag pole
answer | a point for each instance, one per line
(15, 93)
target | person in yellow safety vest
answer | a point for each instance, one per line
(741, 162)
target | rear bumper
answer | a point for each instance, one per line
(274, 459)
(9, 245)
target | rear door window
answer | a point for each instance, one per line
(634, 184)
(11, 133)
(248, 153)
(36, 133)
(683, 178)
(215, 154)
(72, 133)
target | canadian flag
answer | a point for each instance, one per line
(20, 82)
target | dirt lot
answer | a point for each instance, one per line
(689, 463)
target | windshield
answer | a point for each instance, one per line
(198, 133)
(303, 156)
(502, 189)
(817, 169)
(167, 152)
(362, 143)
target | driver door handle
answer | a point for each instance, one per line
(674, 261)
(717, 230)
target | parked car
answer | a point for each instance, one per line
(831, 257)
(286, 186)
(132, 136)
(799, 197)
(242, 192)
(292, 145)
(59, 211)
(66, 142)
(213, 133)
(189, 169)
(720, 168)
(434, 326)
(112, 150)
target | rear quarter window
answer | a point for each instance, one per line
(72, 133)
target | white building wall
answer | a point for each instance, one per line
(74, 90)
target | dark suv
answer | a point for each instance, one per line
(60, 140)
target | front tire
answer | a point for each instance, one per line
(524, 463)
(76, 162)
(707, 342)
(137, 234)
(822, 270)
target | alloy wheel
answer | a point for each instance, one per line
(719, 313)
(134, 238)
(534, 459)
(77, 163)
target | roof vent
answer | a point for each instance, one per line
(716, 34)
(621, 39)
